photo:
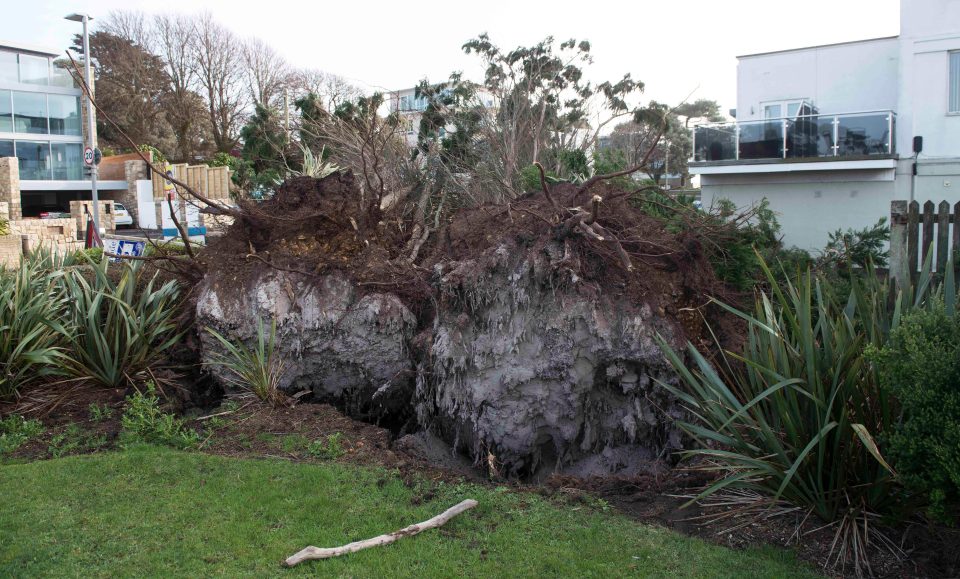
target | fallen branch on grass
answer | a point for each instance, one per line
(311, 553)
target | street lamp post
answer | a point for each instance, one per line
(91, 124)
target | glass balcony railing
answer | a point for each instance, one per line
(800, 137)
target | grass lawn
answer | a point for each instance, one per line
(157, 512)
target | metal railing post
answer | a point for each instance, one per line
(736, 141)
(783, 127)
(890, 134)
(836, 136)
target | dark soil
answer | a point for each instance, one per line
(313, 227)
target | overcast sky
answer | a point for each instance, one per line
(675, 47)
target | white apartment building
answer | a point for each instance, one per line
(41, 126)
(411, 107)
(826, 133)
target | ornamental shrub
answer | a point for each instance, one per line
(920, 366)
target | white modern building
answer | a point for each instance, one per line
(410, 107)
(826, 133)
(41, 126)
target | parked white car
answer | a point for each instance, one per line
(121, 216)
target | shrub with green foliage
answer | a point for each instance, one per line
(144, 422)
(258, 369)
(31, 327)
(4, 226)
(158, 157)
(15, 431)
(92, 254)
(329, 448)
(920, 365)
(120, 330)
(859, 247)
(797, 415)
(530, 179)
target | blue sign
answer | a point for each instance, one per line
(124, 247)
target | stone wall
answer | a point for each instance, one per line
(10, 249)
(78, 209)
(10, 186)
(55, 234)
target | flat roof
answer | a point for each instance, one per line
(32, 48)
(818, 46)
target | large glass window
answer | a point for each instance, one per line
(6, 112)
(954, 82)
(34, 69)
(34, 160)
(64, 115)
(6, 148)
(8, 67)
(30, 112)
(67, 161)
(60, 75)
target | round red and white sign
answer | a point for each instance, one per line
(88, 156)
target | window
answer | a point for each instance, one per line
(34, 69)
(6, 148)
(780, 109)
(34, 160)
(30, 112)
(6, 114)
(67, 163)
(8, 67)
(60, 76)
(954, 82)
(64, 115)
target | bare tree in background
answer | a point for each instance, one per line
(331, 89)
(186, 110)
(131, 25)
(218, 63)
(267, 72)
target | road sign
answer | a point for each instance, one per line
(167, 184)
(88, 156)
(127, 247)
(97, 156)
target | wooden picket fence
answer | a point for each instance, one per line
(914, 233)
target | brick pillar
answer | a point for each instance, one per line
(10, 186)
(133, 171)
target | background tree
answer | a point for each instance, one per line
(184, 106)
(540, 103)
(267, 73)
(131, 82)
(632, 138)
(217, 61)
(328, 90)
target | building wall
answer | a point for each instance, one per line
(929, 30)
(851, 77)
(810, 207)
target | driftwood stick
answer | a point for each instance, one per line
(311, 553)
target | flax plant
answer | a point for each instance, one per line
(258, 370)
(793, 421)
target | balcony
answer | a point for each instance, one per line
(811, 137)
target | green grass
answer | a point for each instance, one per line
(157, 512)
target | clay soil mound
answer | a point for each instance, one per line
(671, 271)
(317, 226)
